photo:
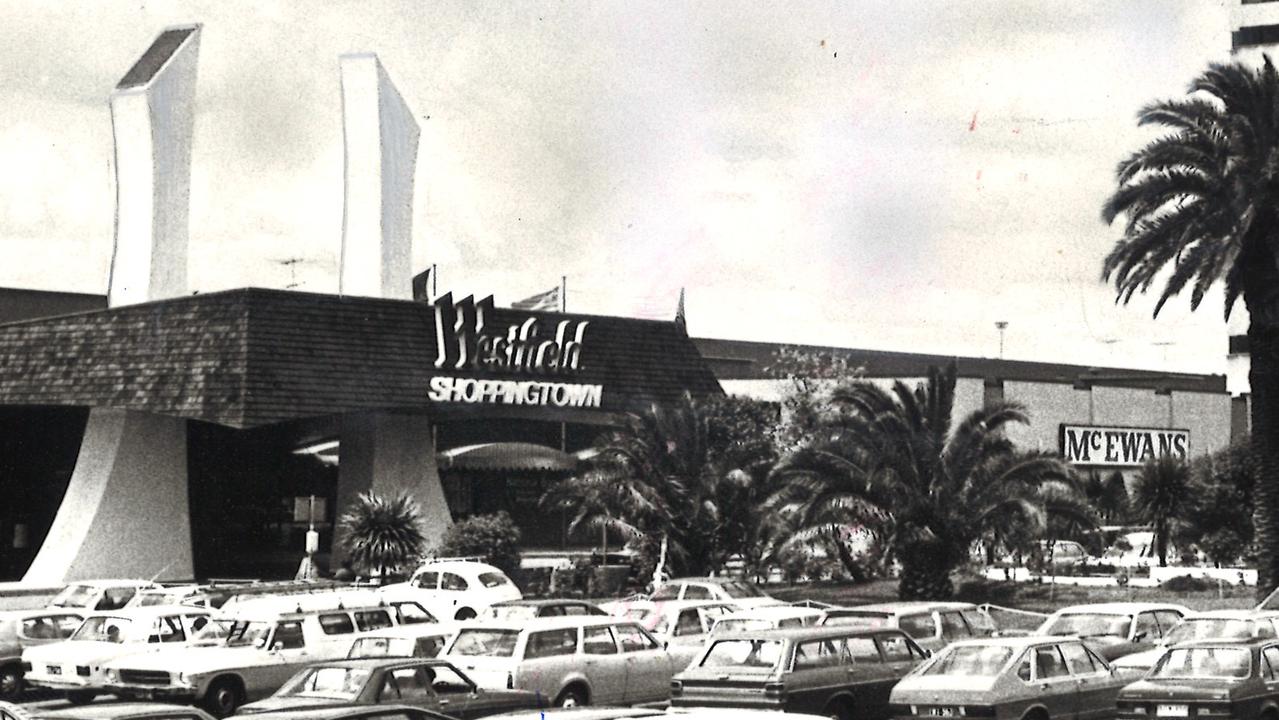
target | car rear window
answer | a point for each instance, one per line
(868, 620)
(485, 642)
(970, 660)
(336, 624)
(492, 580)
(743, 654)
(1204, 662)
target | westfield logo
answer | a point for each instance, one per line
(465, 339)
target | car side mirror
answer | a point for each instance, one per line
(276, 647)
(1140, 636)
(927, 653)
(666, 644)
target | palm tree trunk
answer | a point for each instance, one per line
(925, 574)
(1263, 376)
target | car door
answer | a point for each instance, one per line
(1145, 633)
(901, 655)
(819, 669)
(1053, 682)
(289, 653)
(1095, 688)
(459, 697)
(868, 676)
(648, 667)
(413, 686)
(604, 665)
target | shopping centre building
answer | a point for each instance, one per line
(158, 433)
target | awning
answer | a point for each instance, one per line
(506, 456)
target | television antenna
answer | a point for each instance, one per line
(291, 264)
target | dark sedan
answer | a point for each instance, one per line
(1208, 679)
(430, 684)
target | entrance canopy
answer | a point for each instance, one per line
(507, 456)
(251, 357)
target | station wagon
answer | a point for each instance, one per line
(933, 625)
(571, 660)
(839, 672)
(1115, 629)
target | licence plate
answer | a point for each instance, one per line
(55, 670)
(1164, 710)
(944, 711)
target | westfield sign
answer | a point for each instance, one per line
(465, 340)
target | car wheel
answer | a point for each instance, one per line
(839, 710)
(10, 682)
(81, 697)
(224, 697)
(571, 697)
(464, 614)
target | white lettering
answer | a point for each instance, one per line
(1089, 445)
(514, 392)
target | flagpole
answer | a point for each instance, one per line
(563, 293)
(435, 280)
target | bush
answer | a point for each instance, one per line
(1187, 583)
(491, 537)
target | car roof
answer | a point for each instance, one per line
(1232, 614)
(814, 632)
(472, 566)
(542, 602)
(705, 580)
(1016, 641)
(554, 622)
(107, 711)
(413, 630)
(906, 606)
(144, 612)
(666, 605)
(1120, 608)
(372, 663)
(1224, 643)
(349, 710)
(774, 611)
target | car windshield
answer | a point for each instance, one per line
(868, 620)
(334, 683)
(974, 660)
(512, 612)
(665, 592)
(1203, 662)
(485, 642)
(103, 629)
(743, 654)
(237, 633)
(1089, 625)
(1210, 629)
(742, 590)
(75, 596)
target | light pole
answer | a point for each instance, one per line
(1001, 325)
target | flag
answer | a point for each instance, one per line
(679, 310)
(541, 302)
(422, 285)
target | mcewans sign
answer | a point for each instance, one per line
(465, 341)
(1121, 446)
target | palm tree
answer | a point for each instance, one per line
(1162, 496)
(892, 461)
(383, 534)
(1201, 205)
(656, 477)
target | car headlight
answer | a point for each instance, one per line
(113, 676)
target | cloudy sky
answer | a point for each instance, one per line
(895, 175)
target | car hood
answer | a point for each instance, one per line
(1143, 660)
(1179, 689)
(193, 659)
(79, 652)
(273, 704)
(942, 688)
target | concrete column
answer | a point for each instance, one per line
(386, 454)
(153, 119)
(380, 137)
(125, 513)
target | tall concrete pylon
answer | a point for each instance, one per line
(380, 137)
(125, 512)
(381, 452)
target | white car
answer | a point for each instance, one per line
(573, 660)
(75, 665)
(682, 626)
(455, 589)
(739, 592)
(772, 617)
(93, 595)
(1242, 625)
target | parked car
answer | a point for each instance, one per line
(425, 641)
(90, 595)
(682, 626)
(354, 712)
(1211, 625)
(525, 609)
(771, 617)
(455, 589)
(74, 666)
(1010, 678)
(248, 653)
(1208, 679)
(1061, 555)
(573, 660)
(839, 672)
(106, 711)
(431, 684)
(26, 629)
(933, 625)
(1115, 629)
(730, 590)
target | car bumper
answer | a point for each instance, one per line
(154, 692)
